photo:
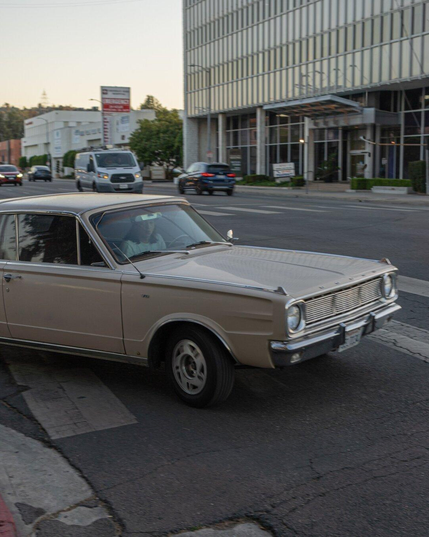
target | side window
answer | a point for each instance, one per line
(7, 237)
(89, 255)
(47, 239)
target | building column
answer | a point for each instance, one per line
(223, 157)
(309, 155)
(340, 155)
(377, 163)
(191, 142)
(261, 141)
(369, 156)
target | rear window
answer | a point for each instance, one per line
(8, 169)
(218, 168)
(42, 168)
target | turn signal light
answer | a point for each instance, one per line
(231, 175)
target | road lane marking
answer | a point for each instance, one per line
(293, 209)
(257, 211)
(69, 401)
(413, 286)
(380, 208)
(404, 338)
(212, 213)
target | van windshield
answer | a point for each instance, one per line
(115, 160)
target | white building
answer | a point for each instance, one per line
(57, 132)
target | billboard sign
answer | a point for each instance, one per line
(115, 100)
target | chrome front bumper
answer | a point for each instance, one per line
(285, 353)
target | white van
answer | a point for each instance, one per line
(112, 170)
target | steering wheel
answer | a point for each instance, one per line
(177, 239)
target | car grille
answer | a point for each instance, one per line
(319, 309)
(122, 178)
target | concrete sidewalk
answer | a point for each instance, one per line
(322, 191)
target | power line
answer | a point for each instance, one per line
(68, 4)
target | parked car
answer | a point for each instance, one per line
(10, 175)
(151, 282)
(206, 177)
(39, 172)
(111, 170)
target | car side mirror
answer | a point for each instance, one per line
(230, 236)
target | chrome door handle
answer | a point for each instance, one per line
(9, 277)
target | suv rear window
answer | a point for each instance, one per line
(218, 168)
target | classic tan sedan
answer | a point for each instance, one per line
(147, 280)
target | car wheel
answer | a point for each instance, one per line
(199, 367)
(210, 192)
(20, 184)
(50, 180)
(199, 190)
(79, 186)
(230, 192)
(181, 190)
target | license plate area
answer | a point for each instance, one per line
(123, 187)
(352, 339)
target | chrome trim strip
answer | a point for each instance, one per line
(16, 237)
(279, 290)
(221, 339)
(79, 258)
(78, 351)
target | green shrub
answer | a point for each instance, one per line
(69, 158)
(22, 163)
(297, 181)
(358, 183)
(249, 179)
(38, 160)
(417, 172)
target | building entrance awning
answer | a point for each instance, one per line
(316, 107)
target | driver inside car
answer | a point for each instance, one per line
(143, 236)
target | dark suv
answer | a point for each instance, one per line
(39, 172)
(208, 177)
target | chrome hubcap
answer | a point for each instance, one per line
(189, 367)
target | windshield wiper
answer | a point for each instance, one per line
(203, 243)
(158, 252)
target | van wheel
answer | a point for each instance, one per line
(79, 186)
(199, 367)
(94, 187)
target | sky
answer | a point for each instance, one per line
(70, 48)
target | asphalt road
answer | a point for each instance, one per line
(337, 446)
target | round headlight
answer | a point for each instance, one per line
(294, 318)
(388, 286)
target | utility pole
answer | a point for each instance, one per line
(102, 120)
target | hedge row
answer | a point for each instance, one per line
(265, 180)
(417, 172)
(38, 160)
(68, 159)
(367, 184)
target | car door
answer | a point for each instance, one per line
(59, 289)
(7, 253)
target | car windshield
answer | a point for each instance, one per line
(115, 160)
(218, 168)
(8, 169)
(45, 168)
(138, 233)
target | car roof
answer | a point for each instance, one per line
(79, 203)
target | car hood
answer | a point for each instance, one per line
(299, 273)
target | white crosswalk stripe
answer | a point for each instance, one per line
(256, 211)
(413, 286)
(366, 208)
(293, 209)
(212, 213)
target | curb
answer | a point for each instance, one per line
(7, 525)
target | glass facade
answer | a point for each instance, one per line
(244, 54)
(254, 52)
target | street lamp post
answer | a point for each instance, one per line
(102, 119)
(209, 106)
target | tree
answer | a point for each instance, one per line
(151, 103)
(160, 141)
